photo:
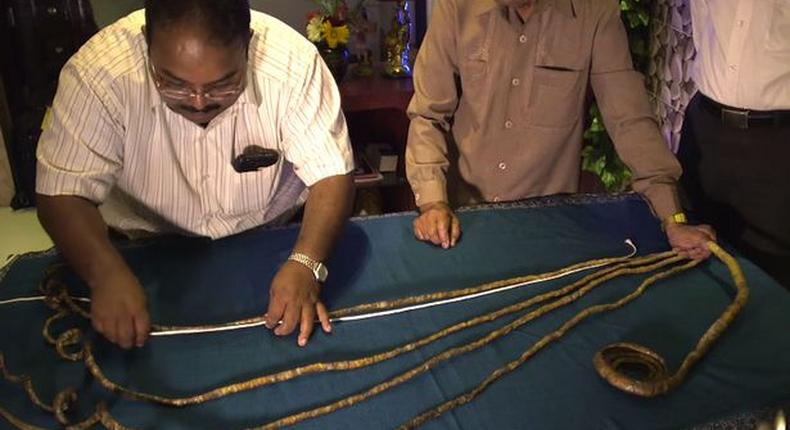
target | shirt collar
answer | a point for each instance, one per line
(566, 7)
(153, 94)
(250, 95)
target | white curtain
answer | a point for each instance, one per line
(669, 75)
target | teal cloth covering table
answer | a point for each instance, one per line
(193, 281)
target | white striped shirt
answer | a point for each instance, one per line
(113, 140)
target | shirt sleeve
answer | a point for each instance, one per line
(315, 130)
(81, 152)
(622, 98)
(433, 107)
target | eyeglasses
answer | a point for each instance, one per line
(176, 92)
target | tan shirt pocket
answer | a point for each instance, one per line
(559, 76)
(556, 97)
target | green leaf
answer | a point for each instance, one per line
(624, 5)
(599, 155)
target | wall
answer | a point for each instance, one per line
(108, 11)
(292, 12)
(6, 181)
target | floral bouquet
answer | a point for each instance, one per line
(327, 26)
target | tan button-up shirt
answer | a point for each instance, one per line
(497, 113)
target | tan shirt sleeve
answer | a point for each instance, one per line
(622, 98)
(433, 107)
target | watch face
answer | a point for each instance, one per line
(321, 273)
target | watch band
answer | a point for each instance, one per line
(678, 218)
(319, 270)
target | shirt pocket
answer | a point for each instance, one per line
(474, 53)
(247, 192)
(779, 32)
(474, 66)
(474, 77)
(243, 193)
(559, 77)
(556, 96)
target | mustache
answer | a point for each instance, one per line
(207, 109)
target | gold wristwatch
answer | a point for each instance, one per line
(678, 218)
(318, 268)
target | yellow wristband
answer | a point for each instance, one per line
(678, 218)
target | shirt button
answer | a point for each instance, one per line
(516, 82)
(523, 38)
(508, 124)
(502, 166)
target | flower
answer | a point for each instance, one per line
(335, 35)
(315, 30)
(327, 25)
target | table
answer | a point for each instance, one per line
(197, 281)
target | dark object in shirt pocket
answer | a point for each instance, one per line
(255, 158)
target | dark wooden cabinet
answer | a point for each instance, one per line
(38, 37)
(375, 109)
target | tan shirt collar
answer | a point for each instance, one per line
(566, 7)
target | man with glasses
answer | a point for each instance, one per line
(194, 117)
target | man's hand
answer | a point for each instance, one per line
(691, 241)
(294, 299)
(118, 310)
(437, 224)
